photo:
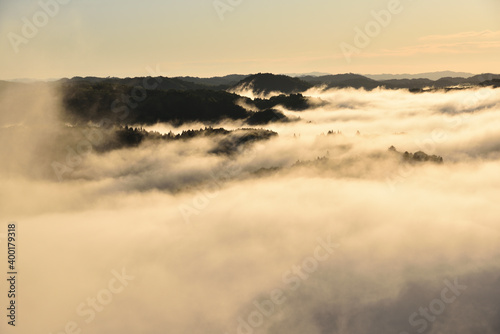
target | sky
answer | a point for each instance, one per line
(209, 38)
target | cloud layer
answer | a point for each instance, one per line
(207, 237)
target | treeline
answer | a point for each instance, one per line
(417, 156)
(296, 102)
(225, 141)
(121, 104)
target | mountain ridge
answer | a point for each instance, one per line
(266, 83)
(426, 75)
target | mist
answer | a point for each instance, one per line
(209, 241)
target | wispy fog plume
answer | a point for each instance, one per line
(28, 120)
(208, 237)
(248, 91)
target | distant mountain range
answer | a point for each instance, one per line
(312, 74)
(208, 100)
(267, 82)
(428, 75)
(235, 78)
(495, 83)
(230, 80)
(342, 81)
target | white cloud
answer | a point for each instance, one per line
(398, 243)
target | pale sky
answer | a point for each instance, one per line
(179, 37)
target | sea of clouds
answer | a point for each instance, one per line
(356, 242)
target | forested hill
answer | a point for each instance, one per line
(265, 83)
(122, 104)
(148, 100)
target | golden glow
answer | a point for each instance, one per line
(122, 38)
